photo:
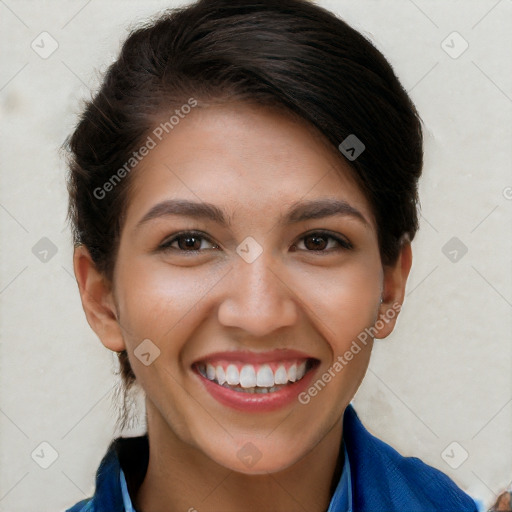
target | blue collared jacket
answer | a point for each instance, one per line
(375, 477)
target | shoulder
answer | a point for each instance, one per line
(383, 479)
(82, 506)
(129, 453)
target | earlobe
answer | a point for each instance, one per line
(97, 300)
(393, 293)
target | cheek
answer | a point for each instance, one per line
(344, 301)
(162, 304)
(154, 298)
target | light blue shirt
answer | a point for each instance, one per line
(342, 498)
(340, 502)
(128, 507)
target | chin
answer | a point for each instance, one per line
(252, 460)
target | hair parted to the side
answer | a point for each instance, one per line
(289, 54)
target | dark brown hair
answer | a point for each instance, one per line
(286, 53)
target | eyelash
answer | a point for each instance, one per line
(166, 246)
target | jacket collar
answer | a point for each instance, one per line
(129, 453)
(382, 480)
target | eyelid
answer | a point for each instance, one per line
(344, 243)
(166, 244)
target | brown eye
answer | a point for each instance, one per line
(323, 242)
(187, 242)
(315, 242)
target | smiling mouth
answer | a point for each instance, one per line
(256, 378)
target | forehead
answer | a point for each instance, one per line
(243, 157)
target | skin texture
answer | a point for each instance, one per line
(503, 503)
(254, 164)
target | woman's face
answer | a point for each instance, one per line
(282, 271)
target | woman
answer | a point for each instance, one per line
(243, 196)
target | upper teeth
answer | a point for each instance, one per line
(249, 377)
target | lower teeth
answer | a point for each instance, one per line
(253, 390)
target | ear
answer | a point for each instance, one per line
(97, 300)
(393, 292)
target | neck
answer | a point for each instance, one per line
(180, 477)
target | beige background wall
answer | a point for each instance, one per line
(445, 374)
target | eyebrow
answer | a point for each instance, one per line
(299, 212)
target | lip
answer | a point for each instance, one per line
(249, 357)
(258, 402)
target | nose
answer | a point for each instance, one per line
(257, 298)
